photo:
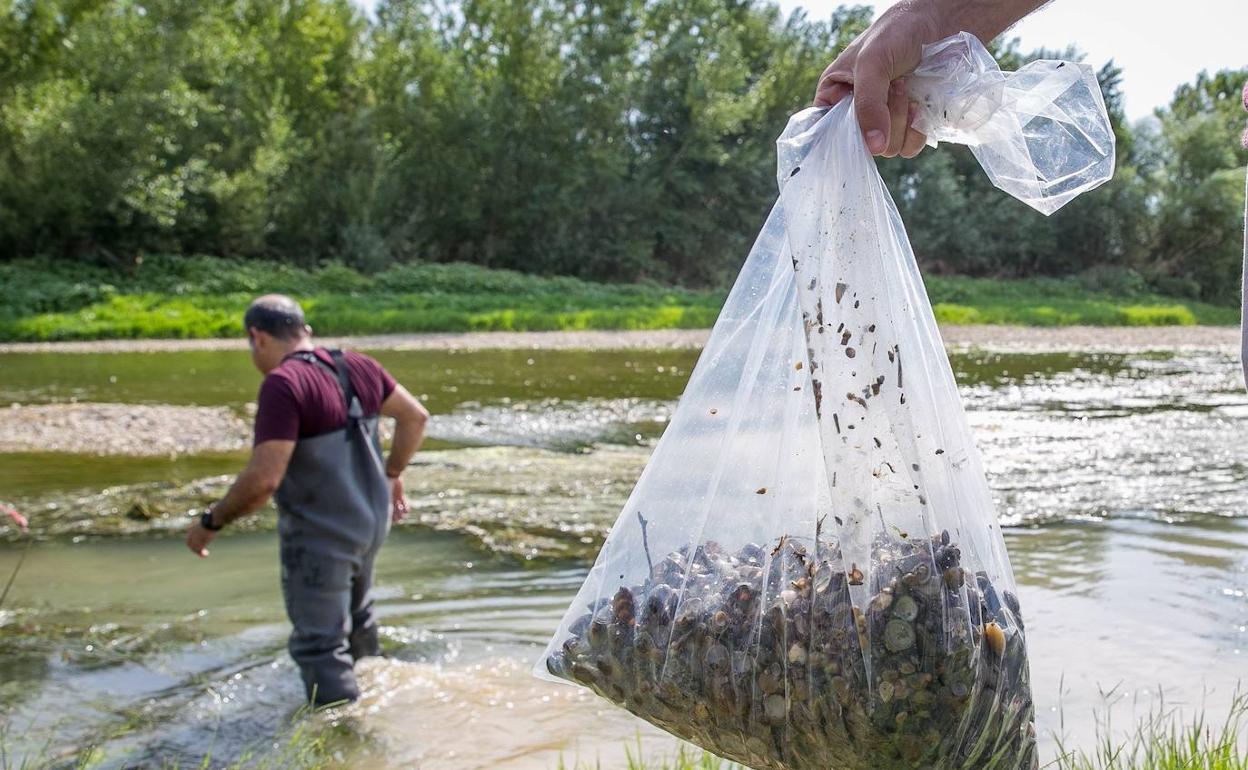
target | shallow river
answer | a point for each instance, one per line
(1122, 479)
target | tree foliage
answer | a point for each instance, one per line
(614, 139)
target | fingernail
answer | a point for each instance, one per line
(876, 141)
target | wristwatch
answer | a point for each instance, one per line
(205, 521)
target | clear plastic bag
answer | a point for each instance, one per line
(809, 572)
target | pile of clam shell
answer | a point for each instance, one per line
(763, 657)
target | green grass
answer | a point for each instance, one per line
(1064, 302)
(201, 297)
(1161, 741)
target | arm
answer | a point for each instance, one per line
(410, 418)
(249, 492)
(874, 65)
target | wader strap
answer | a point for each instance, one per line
(355, 412)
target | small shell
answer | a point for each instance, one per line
(855, 575)
(994, 637)
(899, 635)
(775, 708)
(954, 578)
(797, 655)
(771, 680)
(906, 608)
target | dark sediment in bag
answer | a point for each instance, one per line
(761, 656)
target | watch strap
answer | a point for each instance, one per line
(205, 521)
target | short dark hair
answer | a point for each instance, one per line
(276, 314)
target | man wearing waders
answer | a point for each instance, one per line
(317, 447)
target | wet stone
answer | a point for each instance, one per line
(784, 656)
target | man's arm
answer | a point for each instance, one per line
(249, 492)
(410, 418)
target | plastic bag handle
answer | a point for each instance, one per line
(1042, 133)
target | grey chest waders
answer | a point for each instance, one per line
(334, 506)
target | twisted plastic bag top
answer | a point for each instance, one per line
(1042, 133)
(809, 572)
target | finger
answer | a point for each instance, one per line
(871, 93)
(898, 117)
(914, 143)
(831, 92)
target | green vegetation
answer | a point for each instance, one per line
(1163, 742)
(1065, 302)
(627, 140)
(205, 297)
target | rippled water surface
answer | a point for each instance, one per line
(1121, 477)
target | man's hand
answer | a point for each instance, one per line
(410, 418)
(198, 538)
(19, 520)
(874, 66)
(1244, 138)
(398, 503)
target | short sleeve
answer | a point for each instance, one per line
(388, 383)
(374, 375)
(277, 411)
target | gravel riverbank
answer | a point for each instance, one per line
(1012, 338)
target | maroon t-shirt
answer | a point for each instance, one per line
(299, 399)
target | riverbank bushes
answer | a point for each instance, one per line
(204, 297)
(619, 141)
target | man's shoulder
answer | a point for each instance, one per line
(286, 376)
(356, 358)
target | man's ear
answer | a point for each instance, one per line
(307, 329)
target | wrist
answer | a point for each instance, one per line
(208, 521)
(392, 474)
(985, 19)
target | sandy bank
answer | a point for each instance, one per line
(1011, 338)
(125, 429)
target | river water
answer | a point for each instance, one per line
(1122, 479)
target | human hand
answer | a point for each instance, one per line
(1244, 138)
(198, 538)
(398, 503)
(873, 68)
(18, 519)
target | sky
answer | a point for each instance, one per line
(1159, 45)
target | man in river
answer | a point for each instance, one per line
(317, 451)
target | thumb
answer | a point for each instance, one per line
(871, 83)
